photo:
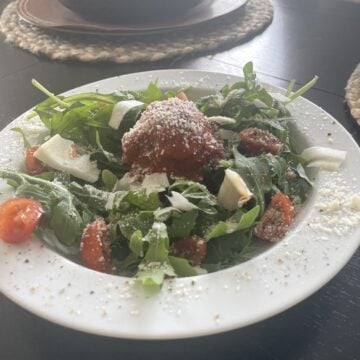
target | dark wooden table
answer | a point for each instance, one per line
(306, 37)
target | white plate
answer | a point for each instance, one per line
(317, 247)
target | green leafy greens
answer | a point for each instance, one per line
(144, 225)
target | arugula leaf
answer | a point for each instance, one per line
(109, 179)
(158, 241)
(152, 93)
(247, 220)
(47, 175)
(78, 117)
(226, 250)
(133, 221)
(182, 266)
(302, 174)
(36, 192)
(81, 122)
(153, 273)
(278, 167)
(144, 200)
(95, 199)
(108, 161)
(109, 156)
(255, 171)
(136, 243)
(101, 201)
(239, 221)
(66, 222)
(211, 105)
(165, 213)
(103, 163)
(45, 114)
(219, 229)
(197, 194)
(302, 90)
(155, 265)
(248, 100)
(56, 99)
(249, 75)
(288, 174)
(127, 266)
(56, 102)
(182, 224)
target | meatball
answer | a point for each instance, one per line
(174, 137)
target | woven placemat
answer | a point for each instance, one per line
(237, 26)
(352, 94)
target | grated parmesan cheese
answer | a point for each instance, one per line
(338, 208)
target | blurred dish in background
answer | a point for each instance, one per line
(115, 11)
(52, 14)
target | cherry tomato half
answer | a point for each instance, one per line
(192, 248)
(18, 219)
(95, 247)
(32, 164)
(276, 219)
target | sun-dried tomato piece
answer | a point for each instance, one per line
(192, 248)
(256, 141)
(276, 219)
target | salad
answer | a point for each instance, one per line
(152, 185)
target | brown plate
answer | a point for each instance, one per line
(51, 14)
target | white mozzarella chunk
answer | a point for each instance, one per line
(156, 182)
(233, 191)
(60, 154)
(180, 202)
(120, 110)
(324, 158)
